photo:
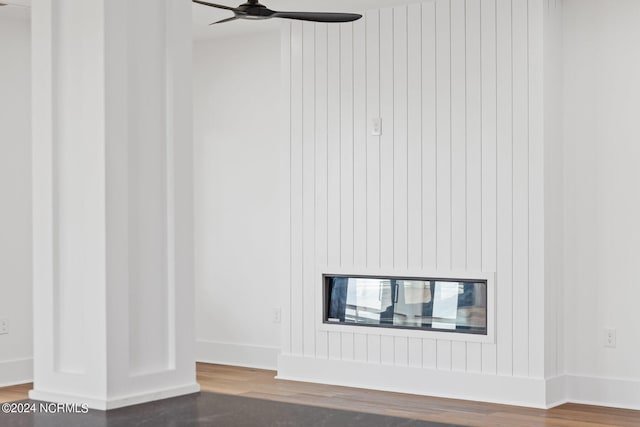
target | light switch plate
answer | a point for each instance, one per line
(376, 126)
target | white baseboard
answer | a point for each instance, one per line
(528, 392)
(599, 391)
(16, 372)
(556, 393)
(115, 402)
(245, 355)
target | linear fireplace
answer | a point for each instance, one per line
(407, 303)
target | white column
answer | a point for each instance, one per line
(112, 163)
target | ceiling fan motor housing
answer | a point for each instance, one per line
(253, 10)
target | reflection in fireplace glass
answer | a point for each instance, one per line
(431, 304)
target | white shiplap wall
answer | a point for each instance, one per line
(452, 185)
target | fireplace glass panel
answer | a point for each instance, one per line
(426, 304)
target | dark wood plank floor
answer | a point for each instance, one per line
(261, 384)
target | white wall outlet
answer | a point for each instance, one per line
(277, 315)
(610, 338)
(4, 326)
(376, 126)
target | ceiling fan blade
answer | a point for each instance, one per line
(219, 6)
(233, 18)
(318, 16)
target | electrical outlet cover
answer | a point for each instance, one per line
(277, 315)
(610, 338)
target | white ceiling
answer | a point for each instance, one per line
(203, 15)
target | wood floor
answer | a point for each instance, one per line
(262, 385)
(11, 394)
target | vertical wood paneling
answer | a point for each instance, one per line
(387, 350)
(448, 185)
(285, 180)
(334, 146)
(429, 138)
(429, 354)
(489, 165)
(474, 158)
(322, 205)
(414, 141)
(504, 279)
(322, 345)
(458, 154)
(373, 142)
(297, 279)
(474, 357)
(520, 188)
(474, 137)
(334, 190)
(489, 132)
(401, 351)
(360, 143)
(347, 132)
(541, 296)
(346, 143)
(400, 135)
(347, 346)
(387, 161)
(458, 136)
(415, 352)
(374, 159)
(360, 347)
(373, 349)
(443, 126)
(308, 188)
(458, 356)
(443, 355)
(335, 345)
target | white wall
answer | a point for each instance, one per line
(602, 152)
(237, 137)
(16, 350)
(454, 185)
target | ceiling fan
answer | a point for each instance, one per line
(254, 10)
